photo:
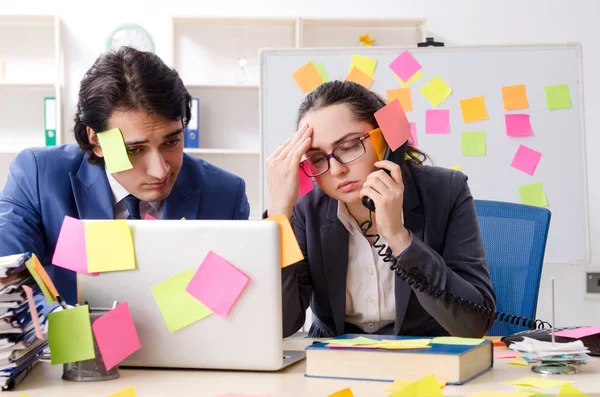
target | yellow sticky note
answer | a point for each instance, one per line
(569, 391)
(364, 64)
(473, 109)
(455, 167)
(361, 340)
(533, 194)
(114, 151)
(453, 340)
(540, 383)
(404, 344)
(128, 392)
(357, 76)
(31, 266)
(519, 363)
(290, 250)
(379, 143)
(307, 77)
(436, 91)
(403, 96)
(486, 393)
(401, 384)
(427, 386)
(414, 78)
(109, 246)
(514, 97)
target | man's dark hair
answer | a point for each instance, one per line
(124, 80)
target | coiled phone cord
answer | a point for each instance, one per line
(416, 280)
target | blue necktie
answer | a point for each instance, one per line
(133, 206)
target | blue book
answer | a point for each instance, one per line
(456, 364)
(192, 131)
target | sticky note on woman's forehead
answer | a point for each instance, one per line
(394, 124)
(114, 151)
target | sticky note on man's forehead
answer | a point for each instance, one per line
(114, 151)
(394, 124)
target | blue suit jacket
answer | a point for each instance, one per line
(45, 184)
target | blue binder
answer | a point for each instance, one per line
(191, 136)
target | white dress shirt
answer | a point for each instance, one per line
(154, 208)
(370, 293)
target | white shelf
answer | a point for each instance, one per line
(222, 86)
(26, 84)
(220, 151)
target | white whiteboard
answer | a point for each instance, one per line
(470, 72)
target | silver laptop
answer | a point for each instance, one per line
(248, 338)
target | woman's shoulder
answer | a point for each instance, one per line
(438, 183)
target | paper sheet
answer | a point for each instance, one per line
(578, 333)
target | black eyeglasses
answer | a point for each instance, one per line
(346, 152)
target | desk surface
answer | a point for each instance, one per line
(45, 381)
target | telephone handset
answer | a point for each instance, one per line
(396, 156)
(416, 280)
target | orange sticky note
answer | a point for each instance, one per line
(290, 250)
(514, 97)
(402, 95)
(342, 393)
(473, 109)
(307, 77)
(357, 76)
(378, 143)
(45, 278)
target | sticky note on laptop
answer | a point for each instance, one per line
(290, 250)
(109, 246)
(178, 308)
(217, 284)
(115, 154)
(70, 252)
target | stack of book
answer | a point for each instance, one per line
(21, 347)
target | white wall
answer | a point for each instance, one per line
(457, 22)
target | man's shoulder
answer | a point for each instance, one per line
(210, 175)
(63, 157)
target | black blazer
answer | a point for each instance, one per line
(446, 247)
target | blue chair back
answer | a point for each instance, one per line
(514, 237)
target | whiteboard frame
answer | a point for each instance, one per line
(267, 52)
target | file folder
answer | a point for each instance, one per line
(50, 120)
(190, 139)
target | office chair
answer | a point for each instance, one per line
(514, 237)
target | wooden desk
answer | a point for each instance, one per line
(45, 381)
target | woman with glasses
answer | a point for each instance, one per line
(424, 214)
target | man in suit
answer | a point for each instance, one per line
(146, 100)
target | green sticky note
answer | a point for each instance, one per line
(473, 143)
(70, 335)
(178, 308)
(114, 151)
(361, 340)
(31, 267)
(570, 391)
(557, 96)
(427, 386)
(322, 72)
(453, 340)
(109, 246)
(533, 194)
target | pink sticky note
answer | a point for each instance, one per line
(517, 125)
(70, 252)
(149, 217)
(505, 354)
(34, 313)
(437, 121)
(393, 124)
(305, 183)
(116, 335)
(405, 66)
(217, 284)
(526, 159)
(413, 140)
(579, 332)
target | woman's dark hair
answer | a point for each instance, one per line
(128, 79)
(362, 102)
